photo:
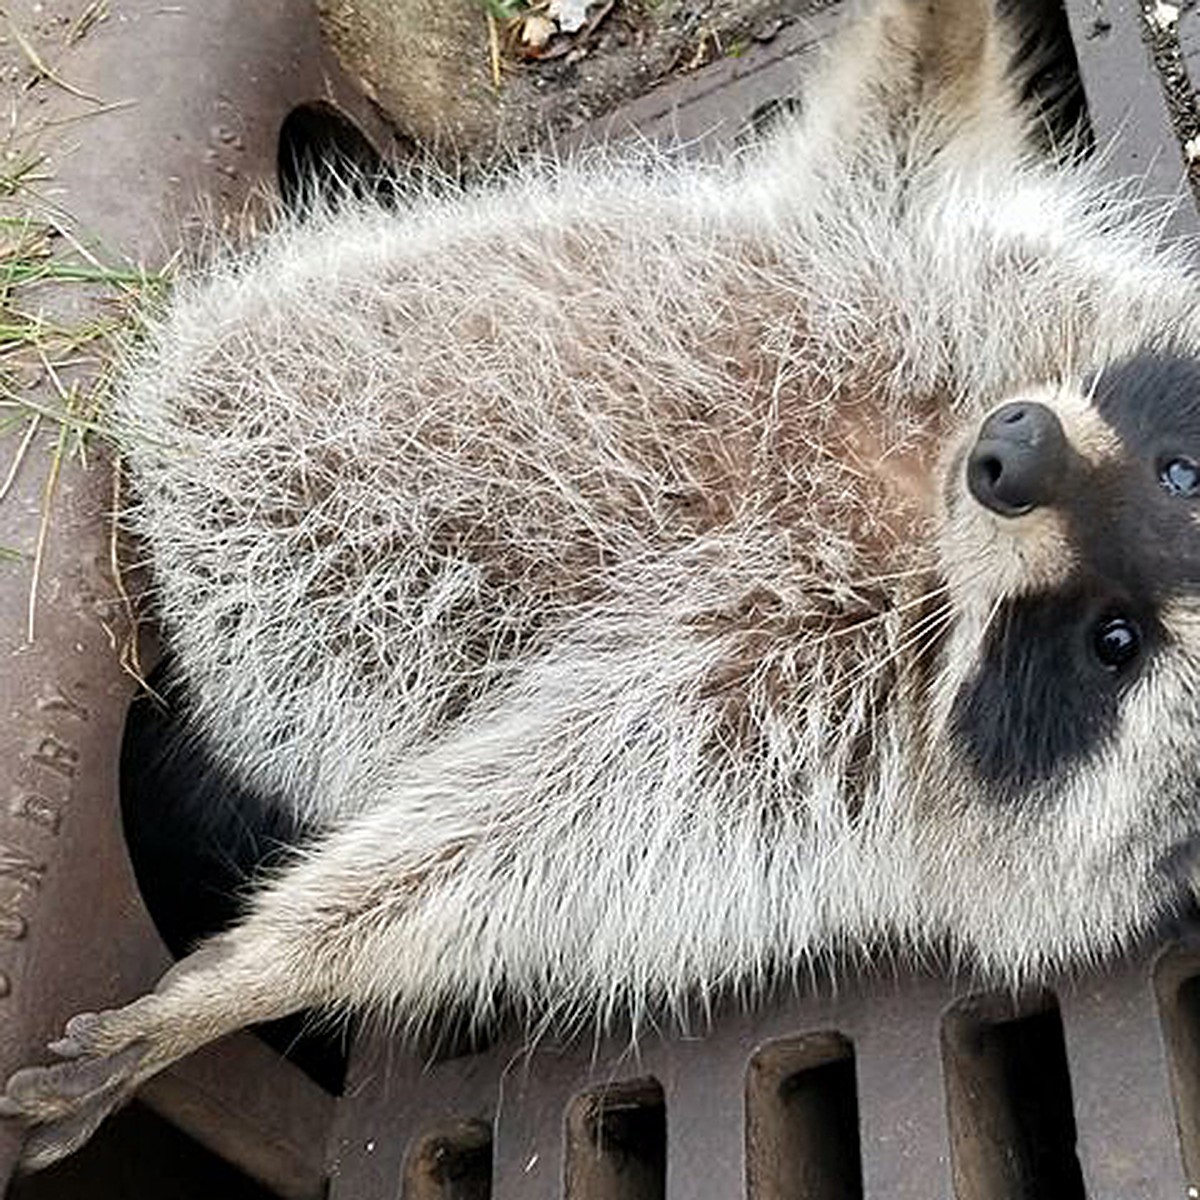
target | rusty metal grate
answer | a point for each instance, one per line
(455, 1162)
(1008, 1092)
(900, 1088)
(897, 1088)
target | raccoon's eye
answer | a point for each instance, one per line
(1180, 475)
(1116, 641)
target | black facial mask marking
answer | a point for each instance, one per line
(1149, 397)
(1152, 403)
(1041, 700)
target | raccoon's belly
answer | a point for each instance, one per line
(361, 524)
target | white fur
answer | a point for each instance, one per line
(474, 524)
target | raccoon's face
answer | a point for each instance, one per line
(1068, 697)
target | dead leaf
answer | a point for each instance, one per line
(536, 31)
(571, 15)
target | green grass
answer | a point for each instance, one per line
(69, 307)
(58, 349)
(505, 10)
(66, 317)
(20, 170)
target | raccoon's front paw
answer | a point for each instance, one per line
(103, 1061)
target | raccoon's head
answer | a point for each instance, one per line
(1066, 707)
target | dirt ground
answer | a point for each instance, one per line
(468, 78)
(463, 74)
(472, 77)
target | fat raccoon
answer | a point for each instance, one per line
(653, 579)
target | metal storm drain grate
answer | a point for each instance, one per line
(1008, 1090)
(456, 1162)
(896, 1088)
(899, 1089)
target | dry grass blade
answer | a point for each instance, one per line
(48, 493)
(58, 349)
(494, 49)
(99, 110)
(39, 64)
(19, 457)
(131, 661)
(83, 24)
(19, 169)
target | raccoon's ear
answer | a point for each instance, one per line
(913, 79)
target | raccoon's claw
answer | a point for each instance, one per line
(80, 1094)
(90, 1033)
(66, 1101)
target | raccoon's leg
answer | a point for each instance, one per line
(944, 54)
(296, 949)
(911, 81)
(105, 1056)
(422, 901)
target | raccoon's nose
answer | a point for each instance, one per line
(1018, 458)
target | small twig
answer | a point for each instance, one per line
(700, 56)
(494, 49)
(41, 67)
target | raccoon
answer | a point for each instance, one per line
(652, 580)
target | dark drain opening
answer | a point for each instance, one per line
(1049, 68)
(802, 1137)
(323, 157)
(617, 1143)
(451, 1164)
(770, 116)
(1012, 1126)
(1177, 983)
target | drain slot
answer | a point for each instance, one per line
(1012, 1126)
(137, 1153)
(802, 1135)
(1177, 984)
(454, 1163)
(617, 1143)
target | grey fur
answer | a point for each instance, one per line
(590, 555)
